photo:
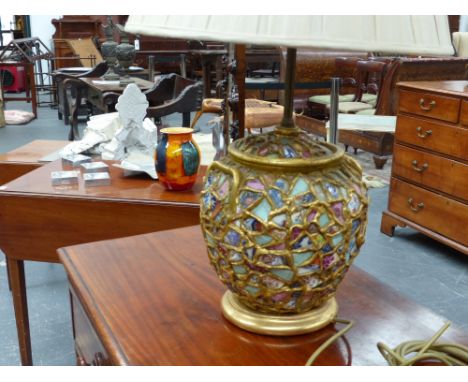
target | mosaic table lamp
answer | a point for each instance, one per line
(284, 215)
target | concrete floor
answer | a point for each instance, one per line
(420, 268)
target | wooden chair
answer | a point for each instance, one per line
(370, 77)
(258, 113)
(174, 94)
(63, 74)
(317, 104)
(380, 144)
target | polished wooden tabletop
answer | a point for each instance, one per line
(112, 86)
(138, 188)
(26, 158)
(155, 300)
(32, 210)
(455, 88)
(33, 151)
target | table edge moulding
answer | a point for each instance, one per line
(23, 159)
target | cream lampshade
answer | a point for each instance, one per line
(416, 35)
(283, 215)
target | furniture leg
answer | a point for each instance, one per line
(183, 66)
(196, 118)
(186, 119)
(32, 85)
(18, 286)
(27, 82)
(63, 103)
(74, 106)
(206, 78)
(388, 224)
(379, 161)
(8, 276)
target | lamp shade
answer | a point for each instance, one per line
(415, 35)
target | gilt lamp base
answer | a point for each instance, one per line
(277, 325)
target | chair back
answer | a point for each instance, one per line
(174, 94)
(346, 69)
(370, 76)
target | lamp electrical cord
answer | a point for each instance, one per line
(450, 354)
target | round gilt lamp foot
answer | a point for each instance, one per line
(277, 325)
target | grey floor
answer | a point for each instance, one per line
(422, 269)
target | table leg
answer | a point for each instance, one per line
(186, 119)
(8, 276)
(18, 286)
(379, 161)
(32, 86)
(74, 106)
(206, 78)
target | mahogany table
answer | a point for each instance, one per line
(26, 158)
(154, 299)
(37, 218)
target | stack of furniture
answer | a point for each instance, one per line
(314, 66)
(73, 27)
(429, 184)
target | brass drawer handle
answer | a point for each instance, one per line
(418, 207)
(428, 107)
(414, 163)
(423, 134)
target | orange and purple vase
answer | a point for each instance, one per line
(177, 158)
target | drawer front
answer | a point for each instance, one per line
(464, 113)
(430, 105)
(439, 137)
(89, 348)
(435, 212)
(445, 175)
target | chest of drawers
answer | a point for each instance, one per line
(429, 183)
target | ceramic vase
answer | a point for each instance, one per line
(177, 158)
(283, 217)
